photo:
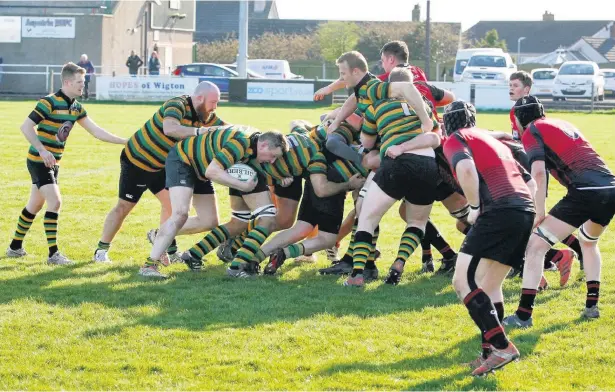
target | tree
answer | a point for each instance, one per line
(335, 38)
(491, 40)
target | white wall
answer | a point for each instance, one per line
(485, 97)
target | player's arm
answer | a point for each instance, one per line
(216, 173)
(462, 164)
(369, 129)
(326, 188)
(27, 128)
(320, 94)
(229, 154)
(41, 112)
(173, 111)
(535, 149)
(425, 140)
(347, 109)
(408, 91)
(89, 125)
(500, 135)
(539, 173)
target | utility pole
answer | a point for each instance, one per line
(242, 58)
(427, 42)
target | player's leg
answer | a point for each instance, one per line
(547, 234)
(51, 194)
(26, 218)
(133, 182)
(240, 217)
(417, 217)
(482, 310)
(249, 256)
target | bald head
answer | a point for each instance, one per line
(205, 98)
(205, 88)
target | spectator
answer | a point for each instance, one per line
(133, 63)
(1, 69)
(154, 64)
(89, 69)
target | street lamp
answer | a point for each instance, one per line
(519, 50)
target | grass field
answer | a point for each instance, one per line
(97, 327)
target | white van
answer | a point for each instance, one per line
(489, 68)
(272, 69)
(463, 56)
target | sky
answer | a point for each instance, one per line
(468, 12)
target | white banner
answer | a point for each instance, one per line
(144, 88)
(42, 27)
(271, 91)
(10, 29)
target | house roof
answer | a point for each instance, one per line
(541, 36)
(604, 46)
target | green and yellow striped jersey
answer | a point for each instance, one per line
(149, 146)
(225, 146)
(394, 121)
(370, 90)
(50, 114)
(303, 158)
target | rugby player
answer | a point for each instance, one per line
(53, 117)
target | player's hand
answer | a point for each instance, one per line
(356, 181)
(321, 93)
(394, 151)
(473, 215)
(48, 159)
(335, 124)
(427, 127)
(286, 182)
(250, 184)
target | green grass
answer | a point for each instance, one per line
(101, 327)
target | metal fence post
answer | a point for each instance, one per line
(46, 79)
(51, 82)
(593, 97)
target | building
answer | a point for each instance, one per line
(584, 37)
(56, 32)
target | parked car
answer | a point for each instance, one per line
(215, 73)
(489, 68)
(575, 80)
(609, 81)
(464, 55)
(251, 74)
(543, 81)
(272, 69)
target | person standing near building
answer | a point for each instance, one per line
(133, 63)
(86, 64)
(154, 64)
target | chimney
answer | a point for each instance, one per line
(548, 17)
(416, 13)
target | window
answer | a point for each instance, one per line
(192, 69)
(460, 66)
(576, 69)
(212, 70)
(487, 61)
(544, 75)
(609, 74)
(174, 4)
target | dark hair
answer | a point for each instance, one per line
(399, 74)
(523, 77)
(354, 60)
(274, 139)
(458, 115)
(528, 109)
(399, 49)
